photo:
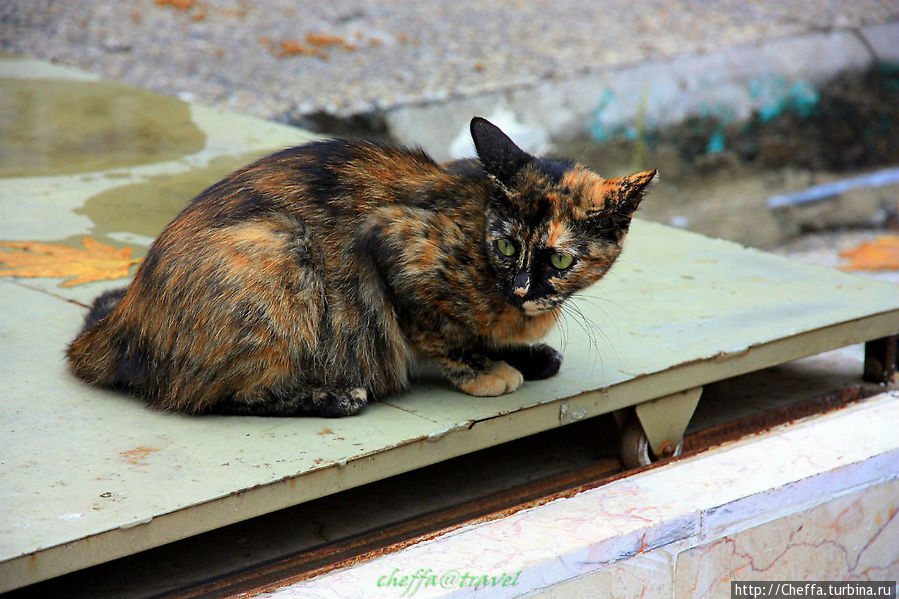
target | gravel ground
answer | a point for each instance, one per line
(286, 60)
(280, 58)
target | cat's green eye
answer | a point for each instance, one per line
(505, 247)
(560, 261)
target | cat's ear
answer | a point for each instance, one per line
(622, 195)
(499, 155)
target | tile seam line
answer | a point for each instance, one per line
(18, 283)
(858, 32)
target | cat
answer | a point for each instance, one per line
(313, 280)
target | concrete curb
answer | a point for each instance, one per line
(882, 41)
(729, 85)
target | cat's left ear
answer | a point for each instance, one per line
(498, 153)
(622, 195)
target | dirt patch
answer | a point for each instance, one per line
(855, 125)
(138, 455)
(851, 123)
(716, 177)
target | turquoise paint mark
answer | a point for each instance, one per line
(776, 95)
(608, 121)
(599, 129)
(722, 115)
(717, 143)
(803, 99)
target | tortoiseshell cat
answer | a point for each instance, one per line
(311, 281)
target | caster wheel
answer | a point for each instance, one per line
(635, 450)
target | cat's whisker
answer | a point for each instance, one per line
(593, 350)
(610, 319)
(599, 330)
(598, 302)
(604, 315)
(589, 327)
(610, 344)
(594, 354)
(566, 332)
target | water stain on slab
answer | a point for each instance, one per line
(58, 127)
(145, 208)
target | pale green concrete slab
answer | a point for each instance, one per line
(88, 475)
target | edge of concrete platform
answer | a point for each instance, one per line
(730, 85)
(659, 529)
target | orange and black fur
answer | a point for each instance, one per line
(312, 281)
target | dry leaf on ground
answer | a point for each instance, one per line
(879, 254)
(96, 262)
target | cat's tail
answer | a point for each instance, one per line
(92, 355)
(105, 303)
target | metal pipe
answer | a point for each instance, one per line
(819, 193)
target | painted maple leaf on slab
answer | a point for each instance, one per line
(95, 262)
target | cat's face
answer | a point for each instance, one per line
(553, 227)
(550, 234)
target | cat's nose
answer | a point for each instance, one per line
(521, 283)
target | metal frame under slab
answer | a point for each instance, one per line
(654, 429)
(882, 359)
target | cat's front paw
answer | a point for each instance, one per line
(544, 362)
(499, 379)
(533, 361)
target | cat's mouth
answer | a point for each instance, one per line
(534, 308)
(541, 305)
(536, 304)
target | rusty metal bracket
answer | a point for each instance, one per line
(881, 359)
(664, 420)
